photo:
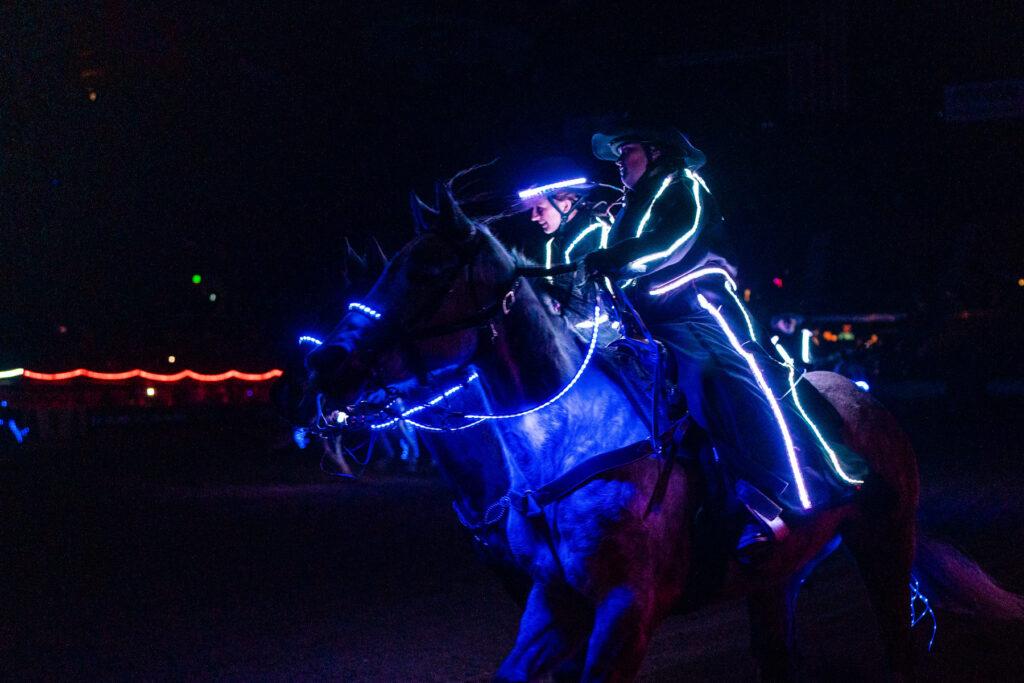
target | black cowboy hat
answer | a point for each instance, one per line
(607, 145)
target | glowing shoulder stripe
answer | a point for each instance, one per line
(647, 215)
(641, 263)
(583, 233)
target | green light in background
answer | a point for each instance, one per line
(197, 278)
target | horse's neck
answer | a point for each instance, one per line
(531, 360)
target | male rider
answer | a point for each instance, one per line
(664, 242)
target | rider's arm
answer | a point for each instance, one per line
(674, 226)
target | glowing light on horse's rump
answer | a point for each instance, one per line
(363, 308)
(794, 463)
(537, 191)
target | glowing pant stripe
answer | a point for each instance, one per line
(730, 287)
(677, 282)
(363, 308)
(535, 191)
(643, 261)
(814, 428)
(647, 216)
(794, 464)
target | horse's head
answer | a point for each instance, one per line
(425, 313)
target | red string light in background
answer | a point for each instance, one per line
(143, 374)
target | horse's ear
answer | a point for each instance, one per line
(376, 259)
(353, 261)
(424, 217)
(450, 216)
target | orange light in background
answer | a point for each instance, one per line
(171, 359)
(746, 295)
(153, 376)
(1020, 282)
(150, 391)
(830, 336)
(92, 95)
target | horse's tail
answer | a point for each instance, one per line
(955, 582)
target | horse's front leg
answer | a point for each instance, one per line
(623, 624)
(552, 629)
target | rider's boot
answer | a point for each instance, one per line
(766, 527)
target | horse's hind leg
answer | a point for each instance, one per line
(884, 550)
(771, 631)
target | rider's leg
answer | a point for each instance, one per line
(623, 625)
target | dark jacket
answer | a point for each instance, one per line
(682, 231)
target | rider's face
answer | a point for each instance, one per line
(545, 215)
(632, 163)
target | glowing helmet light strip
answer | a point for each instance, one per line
(537, 191)
(641, 262)
(794, 464)
(790, 365)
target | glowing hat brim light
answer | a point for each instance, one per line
(571, 183)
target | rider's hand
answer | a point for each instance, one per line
(599, 263)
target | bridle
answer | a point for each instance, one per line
(382, 414)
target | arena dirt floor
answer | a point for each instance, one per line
(234, 563)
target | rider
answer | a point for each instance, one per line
(559, 203)
(664, 247)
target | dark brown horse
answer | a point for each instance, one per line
(611, 558)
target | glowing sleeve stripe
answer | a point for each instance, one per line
(606, 230)
(547, 258)
(814, 428)
(643, 261)
(794, 464)
(647, 216)
(677, 282)
(583, 233)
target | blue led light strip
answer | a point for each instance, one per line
(363, 308)
(306, 339)
(423, 406)
(583, 233)
(790, 365)
(536, 191)
(915, 617)
(794, 463)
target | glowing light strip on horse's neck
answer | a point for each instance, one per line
(478, 419)
(565, 389)
(363, 308)
(791, 366)
(794, 463)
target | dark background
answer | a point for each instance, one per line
(243, 142)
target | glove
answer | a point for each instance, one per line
(600, 262)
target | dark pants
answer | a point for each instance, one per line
(726, 399)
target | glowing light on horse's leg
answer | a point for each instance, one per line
(926, 610)
(805, 346)
(794, 463)
(306, 339)
(641, 263)
(791, 367)
(363, 308)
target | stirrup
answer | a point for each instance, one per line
(763, 509)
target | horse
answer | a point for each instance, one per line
(611, 554)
